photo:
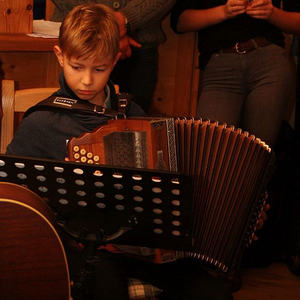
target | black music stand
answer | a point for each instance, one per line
(97, 204)
(103, 204)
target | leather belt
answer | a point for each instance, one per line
(247, 46)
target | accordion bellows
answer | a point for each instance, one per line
(227, 165)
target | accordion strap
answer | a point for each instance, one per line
(59, 102)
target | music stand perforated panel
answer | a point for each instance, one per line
(109, 204)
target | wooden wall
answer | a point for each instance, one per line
(30, 69)
(16, 16)
(176, 89)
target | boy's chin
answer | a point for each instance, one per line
(92, 97)
(85, 97)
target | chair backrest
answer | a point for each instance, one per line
(14, 101)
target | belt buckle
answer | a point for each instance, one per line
(237, 50)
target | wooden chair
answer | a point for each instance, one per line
(17, 101)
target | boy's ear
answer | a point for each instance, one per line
(59, 55)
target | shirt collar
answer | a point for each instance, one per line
(107, 100)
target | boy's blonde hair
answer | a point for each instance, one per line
(90, 30)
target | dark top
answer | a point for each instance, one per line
(44, 133)
(231, 31)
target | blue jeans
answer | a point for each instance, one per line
(250, 91)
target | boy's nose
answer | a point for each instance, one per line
(87, 78)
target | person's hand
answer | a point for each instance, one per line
(125, 46)
(260, 9)
(126, 42)
(234, 8)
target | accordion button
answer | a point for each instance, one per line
(176, 233)
(176, 223)
(158, 230)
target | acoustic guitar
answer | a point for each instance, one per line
(33, 262)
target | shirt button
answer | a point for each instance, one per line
(116, 4)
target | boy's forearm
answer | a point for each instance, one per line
(139, 12)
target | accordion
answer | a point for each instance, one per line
(228, 167)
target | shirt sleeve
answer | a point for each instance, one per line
(34, 138)
(178, 9)
(137, 12)
(62, 7)
(140, 12)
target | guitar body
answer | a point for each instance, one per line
(33, 263)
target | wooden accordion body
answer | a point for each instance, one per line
(228, 168)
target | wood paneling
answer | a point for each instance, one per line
(49, 9)
(23, 42)
(30, 69)
(177, 86)
(29, 61)
(16, 16)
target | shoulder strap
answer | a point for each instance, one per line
(59, 102)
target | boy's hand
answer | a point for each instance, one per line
(234, 8)
(260, 9)
(126, 42)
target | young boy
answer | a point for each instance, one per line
(88, 50)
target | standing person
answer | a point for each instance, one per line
(87, 52)
(141, 33)
(246, 76)
(246, 73)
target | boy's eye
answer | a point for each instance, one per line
(75, 67)
(100, 69)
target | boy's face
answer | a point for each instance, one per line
(85, 76)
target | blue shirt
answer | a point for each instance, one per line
(44, 133)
